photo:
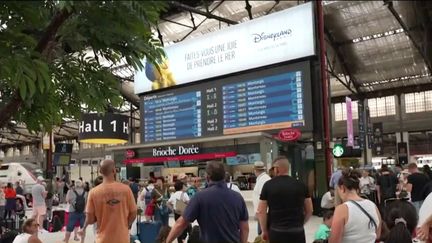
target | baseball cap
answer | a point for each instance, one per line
(259, 165)
(40, 178)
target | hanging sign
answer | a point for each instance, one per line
(361, 124)
(338, 150)
(130, 154)
(350, 130)
(290, 134)
(103, 129)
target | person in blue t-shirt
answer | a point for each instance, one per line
(323, 232)
(134, 187)
(221, 213)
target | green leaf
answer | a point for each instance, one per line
(29, 72)
(31, 85)
(22, 89)
(41, 84)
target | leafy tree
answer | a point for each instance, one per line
(54, 56)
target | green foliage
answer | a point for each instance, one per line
(72, 70)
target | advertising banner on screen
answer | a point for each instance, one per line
(275, 38)
(350, 130)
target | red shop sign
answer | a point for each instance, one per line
(130, 154)
(290, 134)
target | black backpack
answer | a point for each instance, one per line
(79, 202)
(388, 187)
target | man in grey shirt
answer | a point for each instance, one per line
(77, 199)
(39, 207)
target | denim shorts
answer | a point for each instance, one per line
(75, 218)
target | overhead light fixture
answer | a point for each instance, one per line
(377, 35)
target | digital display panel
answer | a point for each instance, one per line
(173, 117)
(265, 100)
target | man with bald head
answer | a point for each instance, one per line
(284, 207)
(112, 206)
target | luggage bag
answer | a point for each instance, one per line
(148, 231)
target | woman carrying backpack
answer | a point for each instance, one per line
(76, 198)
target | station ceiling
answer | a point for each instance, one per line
(374, 48)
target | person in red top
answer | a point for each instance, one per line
(10, 196)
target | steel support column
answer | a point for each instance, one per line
(342, 61)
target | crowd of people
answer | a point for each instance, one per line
(384, 205)
(390, 205)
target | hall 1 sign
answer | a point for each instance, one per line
(108, 128)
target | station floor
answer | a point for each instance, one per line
(58, 237)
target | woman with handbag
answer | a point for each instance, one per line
(178, 202)
(161, 195)
(357, 219)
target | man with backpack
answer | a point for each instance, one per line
(77, 199)
(386, 185)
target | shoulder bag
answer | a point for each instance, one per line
(180, 205)
(372, 222)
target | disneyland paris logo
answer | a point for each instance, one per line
(271, 36)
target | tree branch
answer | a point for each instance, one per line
(15, 104)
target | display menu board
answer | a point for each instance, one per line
(172, 117)
(265, 100)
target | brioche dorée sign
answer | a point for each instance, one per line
(290, 134)
(175, 151)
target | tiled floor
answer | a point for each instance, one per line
(310, 228)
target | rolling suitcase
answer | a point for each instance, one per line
(14, 224)
(148, 231)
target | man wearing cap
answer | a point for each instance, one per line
(39, 207)
(262, 177)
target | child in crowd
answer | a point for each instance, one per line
(150, 209)
(323, 232)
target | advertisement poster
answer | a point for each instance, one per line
(275, 38)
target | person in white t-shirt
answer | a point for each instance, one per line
(262, 178)
(367, 184)
(327, 200)
(179, 195)
(231, 185)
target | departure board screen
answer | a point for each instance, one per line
(263, 104)
(172, 117)
(266, 100)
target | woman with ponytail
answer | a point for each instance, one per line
(401, 220)
(356, 220)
